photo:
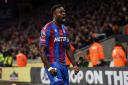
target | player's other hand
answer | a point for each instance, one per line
(53, 71)
(76, 69)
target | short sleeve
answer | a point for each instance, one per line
(44, 36)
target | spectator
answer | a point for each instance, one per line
(1, 59)
(96, 53)
(8, 61)
(82, 62)
(119, 56)
(21, 59)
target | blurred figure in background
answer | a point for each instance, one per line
(119, 56)
(82, 62)
(8, 58)
(87, 57)
(96, 53)
(21, 59)
(1, 58)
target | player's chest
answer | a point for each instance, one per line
(59, 35)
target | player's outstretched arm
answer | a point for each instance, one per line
(72, 59)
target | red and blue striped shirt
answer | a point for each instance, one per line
(55, 39)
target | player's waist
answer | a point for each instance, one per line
(58, 63)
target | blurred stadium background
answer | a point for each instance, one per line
(22, 20)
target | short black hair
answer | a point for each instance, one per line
(55, 7)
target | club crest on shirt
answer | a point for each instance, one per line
(43, 36)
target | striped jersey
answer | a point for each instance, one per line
(55, 39)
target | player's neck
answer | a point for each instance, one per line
(57, 23)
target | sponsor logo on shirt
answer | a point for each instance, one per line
(61, 39)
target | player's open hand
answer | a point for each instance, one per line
(76, 69)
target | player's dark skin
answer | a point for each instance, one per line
(59, 16)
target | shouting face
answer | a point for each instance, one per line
(60, 15)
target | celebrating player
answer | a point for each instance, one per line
(54, 44)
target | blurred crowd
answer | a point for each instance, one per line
(20, 36)
(85, 19)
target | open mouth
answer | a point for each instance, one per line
(64, 19)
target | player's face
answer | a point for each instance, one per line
(60, 15)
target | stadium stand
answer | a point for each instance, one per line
(23, 21)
